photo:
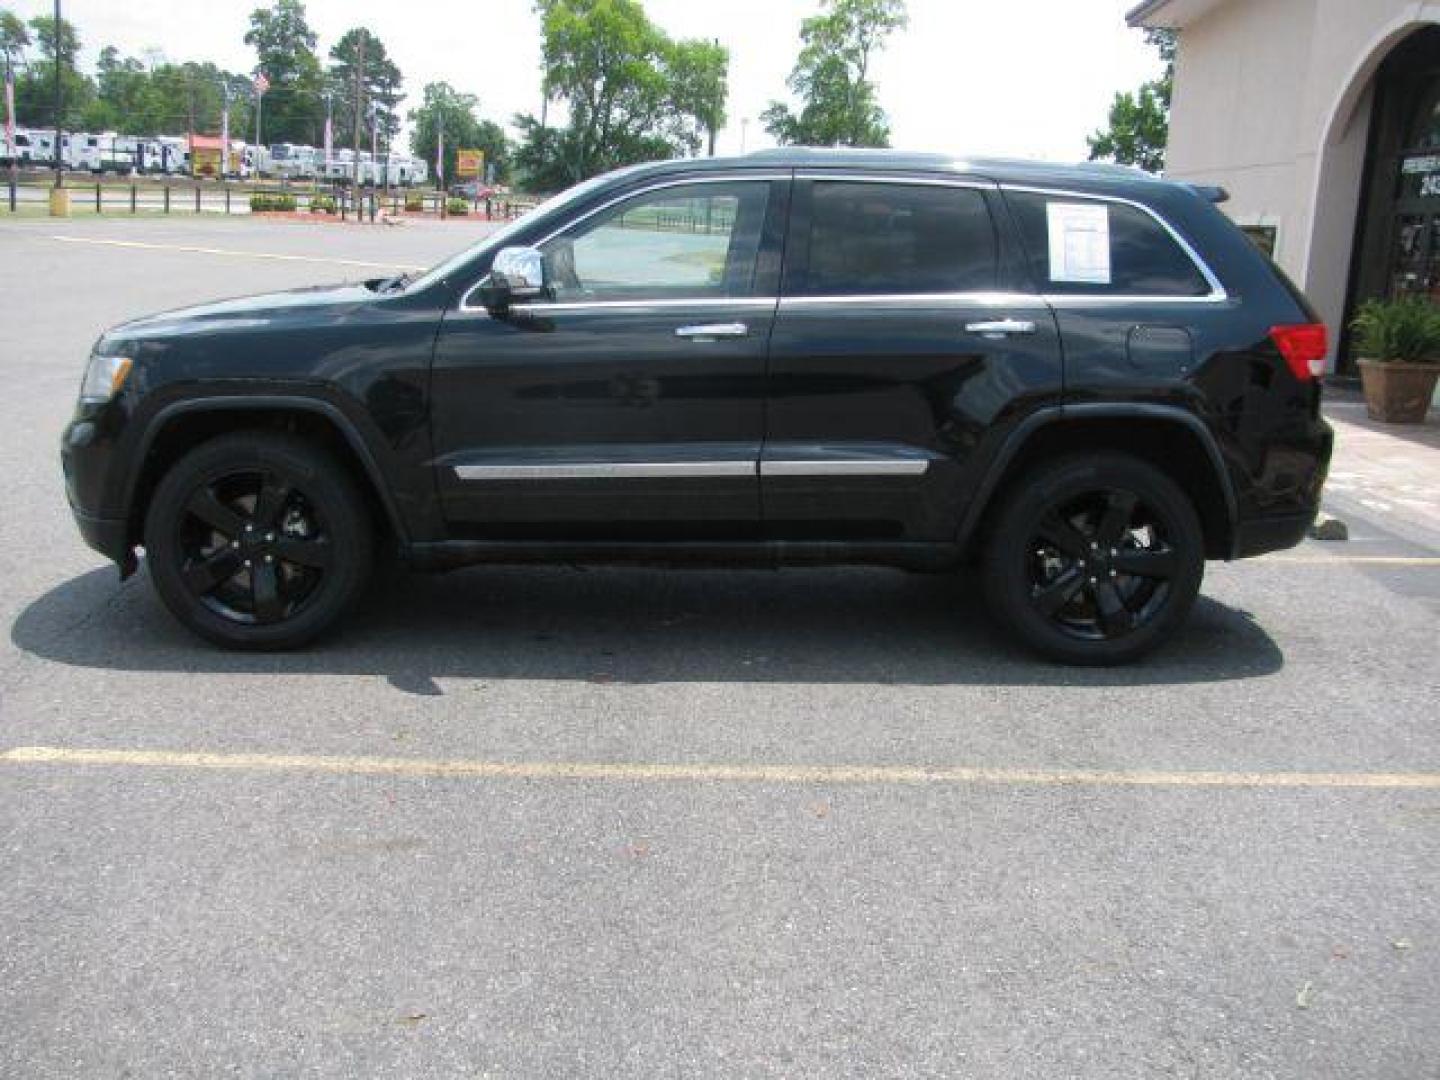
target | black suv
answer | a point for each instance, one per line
(1085, 379)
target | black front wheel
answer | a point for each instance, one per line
(258, 540)
(1094, 560)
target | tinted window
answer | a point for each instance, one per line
(1143, 258)
(898, 238)
(688, 240)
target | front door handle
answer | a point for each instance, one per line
(998, 328)
(711, 331)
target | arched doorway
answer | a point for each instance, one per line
(1397, 241)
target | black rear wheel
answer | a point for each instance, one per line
(258, 540)
(1094, 560)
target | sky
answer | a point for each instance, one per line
(984, 77)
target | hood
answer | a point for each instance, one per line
(246, 312)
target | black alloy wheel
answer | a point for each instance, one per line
(258, 540)
(1095, 560)
(1100, 567)
(253, 549)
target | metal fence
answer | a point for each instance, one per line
(170, 195)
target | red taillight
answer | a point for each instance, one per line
(1304, 347)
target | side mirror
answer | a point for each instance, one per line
(516, 275)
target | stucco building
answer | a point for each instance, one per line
(1322, 120)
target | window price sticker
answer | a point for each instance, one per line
(1079, 242)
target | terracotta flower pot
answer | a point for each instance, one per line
(1397, 393)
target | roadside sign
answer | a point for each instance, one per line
(469, 163)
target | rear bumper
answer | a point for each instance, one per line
(1268, 534)
(1283, 502)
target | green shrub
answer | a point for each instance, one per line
(322, 204)
(457, 207)
(414, 202)
(262, 202)
(1398, 330)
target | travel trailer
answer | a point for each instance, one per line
(174, 155)
(294, 161)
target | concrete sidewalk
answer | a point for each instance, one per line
(1387, 474)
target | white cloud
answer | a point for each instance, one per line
(1014, 77)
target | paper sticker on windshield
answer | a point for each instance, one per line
(1079, 242)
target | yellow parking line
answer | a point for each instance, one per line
(639, 772)
(233, 253)
(1363, 560)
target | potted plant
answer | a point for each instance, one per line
(1399, 346)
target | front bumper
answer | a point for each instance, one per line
(88, 457)
(108, 536)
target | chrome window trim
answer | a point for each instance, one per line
(1070, 300)
(768, 177)
(1217, 292)
(748, 303)
(977, 299)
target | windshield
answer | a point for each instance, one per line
(497, 239)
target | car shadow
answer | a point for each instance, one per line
(633, 625)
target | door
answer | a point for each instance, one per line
(630, 404)
(899, 347)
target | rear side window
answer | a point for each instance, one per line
(898, 239)
(1087, 247)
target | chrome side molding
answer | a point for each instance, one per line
(853, 467)
(607, 470)
(694, 470)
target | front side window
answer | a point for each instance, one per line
(895, 238)
(685, 241)
(1089, 247)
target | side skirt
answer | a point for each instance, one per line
(453, 554)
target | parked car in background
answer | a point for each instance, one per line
(1083, 379)
(471, 190)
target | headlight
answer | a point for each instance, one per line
(104, 376)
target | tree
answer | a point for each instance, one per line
(14, 37)
(68, 38)
(699, 76)
(1139, 122)
(443, 108)
(35, 87)
(379, 88)
(831, 77)
(293, 108)
(543, 155)
(133, 99)
(631, 92)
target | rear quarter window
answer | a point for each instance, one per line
(1127, 253)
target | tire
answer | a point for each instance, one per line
(258, 540)
(1094, 559)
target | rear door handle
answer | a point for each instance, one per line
(711, 331)
(997, 328)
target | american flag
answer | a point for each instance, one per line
(261, 82)
(10, 112)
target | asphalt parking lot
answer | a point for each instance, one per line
(619, 822)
